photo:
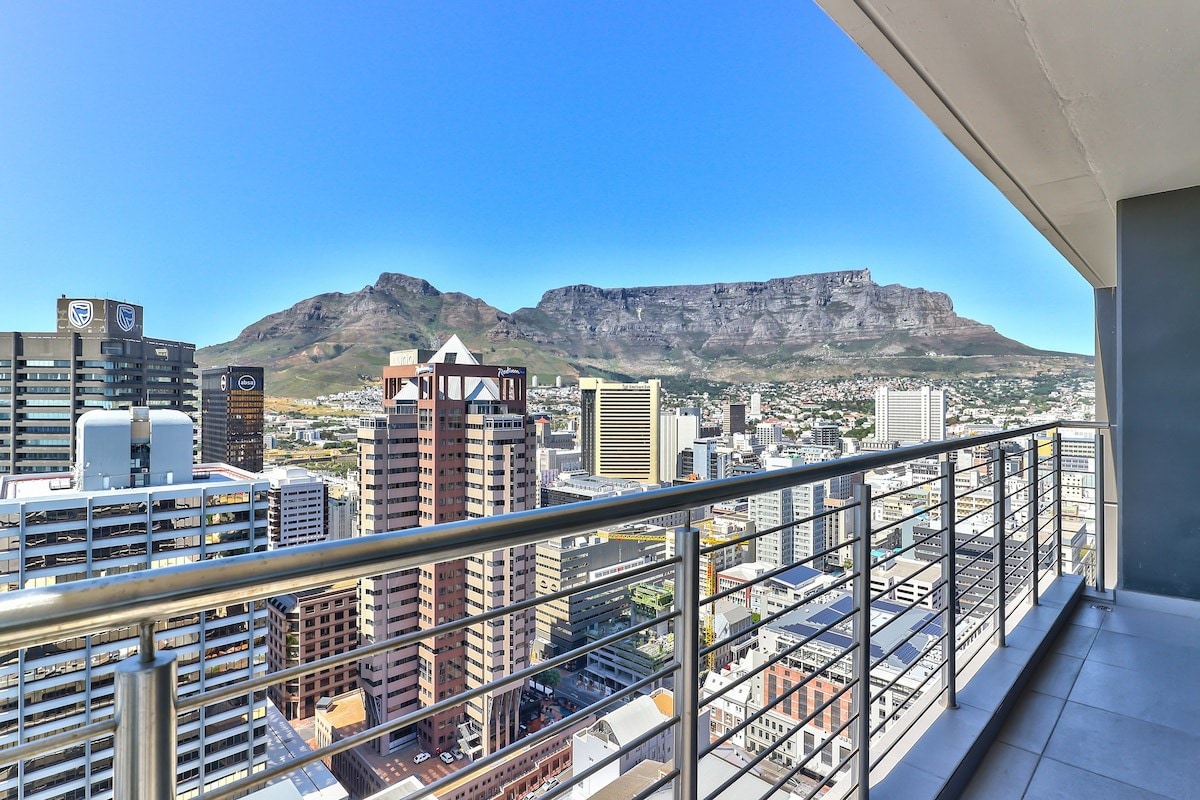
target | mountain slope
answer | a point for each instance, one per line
(836, 323)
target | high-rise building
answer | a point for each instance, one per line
(711, 459)
(769, 432)
(827, 434)
(308, 626)
(132, 504)
(231, 417)
(96, 358)
(455, 443)
(573, 561)
(916, 416)
(619, 428)
(299, 507)
(733, 418)
(788, 540)
(676, 433)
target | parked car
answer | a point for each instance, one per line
(421, 757)
(447, 757)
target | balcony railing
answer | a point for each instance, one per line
(913, 580)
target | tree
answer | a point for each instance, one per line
(549, 678)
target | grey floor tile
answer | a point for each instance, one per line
(942, 747)
(1025, 638)
(1088, 615)
(1056, 675)
(1168, 660)
(1040, 617)
(1152, 757)
(1053, 780)
(905, 782)
(1152, 625)
(1032, 721)
(988, 687)
(1133, 693)
(1075, 640)
(1057, 592)
(1004, 774)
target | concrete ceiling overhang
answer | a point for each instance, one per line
(1067, 106)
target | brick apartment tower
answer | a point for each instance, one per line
(454, 443)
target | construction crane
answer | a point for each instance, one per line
(708, 571)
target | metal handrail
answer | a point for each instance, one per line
(36, 616)
(53, 613)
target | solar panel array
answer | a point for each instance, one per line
(827, 616)
(891, 608)
(925, 624)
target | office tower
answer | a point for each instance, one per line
(454, 443)
(343, 512)
(733, 418)
(676, 431)
(711, 459)
(756, 405)
(298, 511)
(619, 428)
(769, 432)
(231, 417)
(916, 416)
(827, 434)
(778, 512)
(96, 358)
(132, 504)
(308, 626)
(808, 539)
(772, 511)
(572, 561)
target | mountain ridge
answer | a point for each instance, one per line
(832, 323)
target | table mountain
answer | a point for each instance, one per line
(836, 323)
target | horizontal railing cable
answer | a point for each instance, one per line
(32, 616)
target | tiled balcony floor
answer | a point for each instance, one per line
(1113, 712)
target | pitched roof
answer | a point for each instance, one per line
(454, 351)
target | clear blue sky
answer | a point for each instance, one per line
(215, 162)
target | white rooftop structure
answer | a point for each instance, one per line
(454, 351)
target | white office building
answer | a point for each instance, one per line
(777, 512)
(909, 417)
(134, 502)
(299, 507)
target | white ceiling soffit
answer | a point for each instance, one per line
(1066, 105)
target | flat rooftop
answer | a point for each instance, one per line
(59, 485)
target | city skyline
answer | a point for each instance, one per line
(260, 157)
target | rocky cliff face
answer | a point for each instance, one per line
(836, 322)
(807, 314)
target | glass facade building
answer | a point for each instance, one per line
(231, 417)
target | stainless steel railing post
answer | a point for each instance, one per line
(1058, 515)
(1034, 527)
(687, 656)
(144, 745)
(861, 659)
(1100, 534)
(1001, 543)
(950, 582)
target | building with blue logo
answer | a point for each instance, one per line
(97, 357)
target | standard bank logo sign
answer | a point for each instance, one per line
(79, 312)
(125, 317)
